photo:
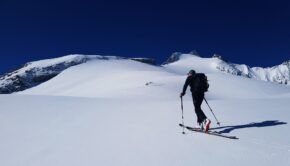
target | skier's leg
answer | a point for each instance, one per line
(197, 101)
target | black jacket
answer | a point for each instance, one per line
(193, 83)
(189, 81)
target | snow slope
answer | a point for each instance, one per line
(122, 112)
(127, 78)
(37, 72)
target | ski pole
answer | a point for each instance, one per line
(212, 112)
(182, 115)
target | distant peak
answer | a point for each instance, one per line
(173, 58)
(194, 52)
(219, 57)
(149, 61)
(176, 56)
(287, 63)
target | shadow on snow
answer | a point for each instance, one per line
(228, 129)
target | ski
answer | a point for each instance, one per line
(214, 133)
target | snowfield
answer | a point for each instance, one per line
(120, 112)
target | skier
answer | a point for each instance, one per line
(197, 97)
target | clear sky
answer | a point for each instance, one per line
(251, 32)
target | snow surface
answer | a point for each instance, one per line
(123, 112)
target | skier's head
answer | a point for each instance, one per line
(191, 72)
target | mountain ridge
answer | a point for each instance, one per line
(37, 72)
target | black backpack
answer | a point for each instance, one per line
(200, 83)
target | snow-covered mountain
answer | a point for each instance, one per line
(177, 55)
(120, 112)
(95, 76)
(37, 72)
(279, 74)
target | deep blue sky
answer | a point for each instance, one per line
(253, 32)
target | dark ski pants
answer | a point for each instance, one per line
(197, 101)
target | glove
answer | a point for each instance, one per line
(182, 94)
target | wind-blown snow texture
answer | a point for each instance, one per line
(123, 112)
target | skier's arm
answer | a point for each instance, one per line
(185, 86)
